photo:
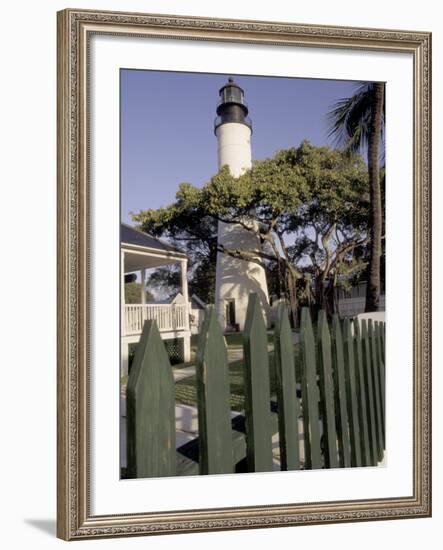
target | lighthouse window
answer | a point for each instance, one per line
(232, 94)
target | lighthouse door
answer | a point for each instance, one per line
(230, 314)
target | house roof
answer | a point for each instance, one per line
(195, 300)
(198, 302)
(130, 235)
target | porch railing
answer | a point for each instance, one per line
(171, 317)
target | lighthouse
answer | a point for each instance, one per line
(236, 279)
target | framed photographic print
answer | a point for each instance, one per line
(243, 274)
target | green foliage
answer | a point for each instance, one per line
(166, 280)
(185, 224)
(201, 279)
(350, 119)
(133, 293)
(307, 205)
(330, 227)
(357, 124)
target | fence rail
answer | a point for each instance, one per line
(339, 420)
(169, 317)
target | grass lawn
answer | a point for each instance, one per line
(186, 390)
(233, 340)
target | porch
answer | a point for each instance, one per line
(169, 317)
(139, 253)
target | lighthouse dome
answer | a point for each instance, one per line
(231, 106)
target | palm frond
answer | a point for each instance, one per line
(349, 118)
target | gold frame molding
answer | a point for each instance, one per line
(75, 27)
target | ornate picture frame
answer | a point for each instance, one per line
(75, 518)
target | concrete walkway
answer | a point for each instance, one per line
(186, 422)
(181, 374)
(187, 430)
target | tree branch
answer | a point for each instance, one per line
(246, 255)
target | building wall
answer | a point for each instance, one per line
(197, 317)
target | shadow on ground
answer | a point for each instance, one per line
(48, 526)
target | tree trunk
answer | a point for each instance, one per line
(375, 218)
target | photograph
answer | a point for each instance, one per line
(228, 218)
(243, 273)
(252, 273)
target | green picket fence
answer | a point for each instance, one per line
(339, 421)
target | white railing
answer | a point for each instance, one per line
(169, 317)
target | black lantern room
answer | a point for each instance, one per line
(232, 106)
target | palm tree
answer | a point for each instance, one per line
(357, 122)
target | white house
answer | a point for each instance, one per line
(197, 310)
(139, 252)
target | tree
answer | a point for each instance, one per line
(357, 123)
(165, 280)
(201, 279)
(187, 227)
(285, 201)
(133, 293)
(330, 229)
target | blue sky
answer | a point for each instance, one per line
(167, 134)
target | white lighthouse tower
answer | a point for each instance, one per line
(236, 278)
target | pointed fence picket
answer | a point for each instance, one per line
(341, 395)
(214, 415)
(362, 390)
(257, 390)
(370, 397)
(150, 409)
(287, 401)
(352, 393)
(341, 409)
(310, 394)
(379, 328)
(327, 404)
(375, 372)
